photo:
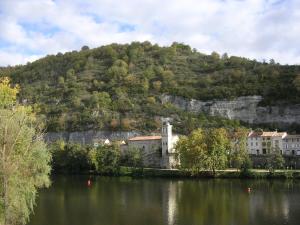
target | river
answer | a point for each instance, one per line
(154, 201)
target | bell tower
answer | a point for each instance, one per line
(166, 141)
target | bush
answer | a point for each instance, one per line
(106, 159)
(132, 158)
(69, 157)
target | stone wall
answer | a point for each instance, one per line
(244, 108)
(88, 137)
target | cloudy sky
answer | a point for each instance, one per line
(261, 29)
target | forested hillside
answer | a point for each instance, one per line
(118, 87)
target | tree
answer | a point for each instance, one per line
(8, 95)
(24, 159)
(107, 159)
(100, 100)
(156, 85)
(133, 158)
(192, 151)
(275, 160)
(69, 157)
(239, 156)
(85, 48)
(204, 150)
(218, 146)
(215, 56)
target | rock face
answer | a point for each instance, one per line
(89, 137)
(243, 108)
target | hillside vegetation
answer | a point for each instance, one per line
(118, 87)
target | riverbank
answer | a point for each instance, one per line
(229, 173)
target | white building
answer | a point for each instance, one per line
(265, 142)
(291, 144)
(168, 142)
(99, 142)
(157, 151)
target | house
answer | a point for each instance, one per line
(157, 151)
(291, 144)
(261, 142)
(98, 142)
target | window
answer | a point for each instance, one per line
(293, 152)
(264, 151)
(251, 143)
(268, 138)
(256, 144)
(257, 152)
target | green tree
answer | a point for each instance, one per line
(69, 157)
(133, 158)
(24, 159)
(239, 156)
(192, 151)
(275, 160)
(204, 150)
(8, 94)
(218, 146)
(107, 159)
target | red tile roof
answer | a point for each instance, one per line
(273, 134)
(267, 134)
(144, 138)
(254, 134)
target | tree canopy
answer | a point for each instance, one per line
(204, 150)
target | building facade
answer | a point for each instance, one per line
(157, 151)
(263, 143)
(291, 145)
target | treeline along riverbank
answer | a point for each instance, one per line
(71, 158)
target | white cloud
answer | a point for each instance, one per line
(260, 29)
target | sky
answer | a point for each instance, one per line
(256, 29)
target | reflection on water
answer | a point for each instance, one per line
(127, 201)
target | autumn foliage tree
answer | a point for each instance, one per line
(24, 159)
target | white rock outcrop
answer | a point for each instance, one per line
(245, 108)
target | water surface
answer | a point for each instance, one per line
(128, 201)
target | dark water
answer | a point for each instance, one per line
(127, 201)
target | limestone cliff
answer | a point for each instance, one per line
(245, 108)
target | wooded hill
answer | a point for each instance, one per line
(118, 87)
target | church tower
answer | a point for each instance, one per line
(166, 142)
